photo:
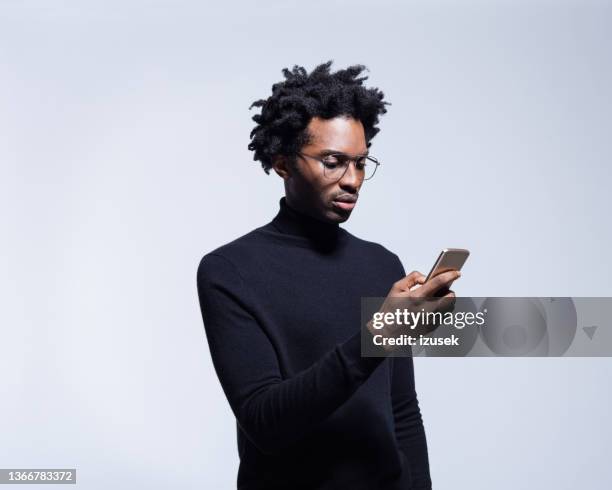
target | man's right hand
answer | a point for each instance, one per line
(404, 295)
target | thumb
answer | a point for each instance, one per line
(415, 277)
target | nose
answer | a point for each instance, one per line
(351, 178)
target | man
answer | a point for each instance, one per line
(281, 306)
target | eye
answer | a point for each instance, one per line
(361, 163)
(331, 161)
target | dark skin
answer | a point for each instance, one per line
(308, 190)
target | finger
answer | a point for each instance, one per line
(439, 282)
(415, 277)
(445, 279)
(446, 303)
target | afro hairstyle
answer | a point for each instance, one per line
(282, 123)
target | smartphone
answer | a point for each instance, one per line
(448, 260)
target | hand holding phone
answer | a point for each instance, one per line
(450, 259)
(436, 285)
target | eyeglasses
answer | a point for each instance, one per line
(336, 164)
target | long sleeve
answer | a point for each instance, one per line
(409, 429)
(273, 412)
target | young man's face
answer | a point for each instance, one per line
(307, 187)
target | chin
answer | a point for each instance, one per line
(338, 216)
(344, 218)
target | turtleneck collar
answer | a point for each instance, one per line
(289, 221)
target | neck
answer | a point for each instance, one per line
(290, 221)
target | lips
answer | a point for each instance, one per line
(346, 198)
(346, 202)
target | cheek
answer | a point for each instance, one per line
(318, 189)
(316, 184)
(324, 189)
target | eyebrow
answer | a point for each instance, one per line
(329, 151)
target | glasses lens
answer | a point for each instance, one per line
(335, 166)
(371, 164)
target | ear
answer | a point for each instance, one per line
(280, 164)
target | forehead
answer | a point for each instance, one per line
(342, 133)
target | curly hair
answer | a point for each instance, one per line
(281, 125)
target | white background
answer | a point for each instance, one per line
(123, 149)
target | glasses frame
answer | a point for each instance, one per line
(348, 158)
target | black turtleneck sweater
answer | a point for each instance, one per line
(282, 312)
